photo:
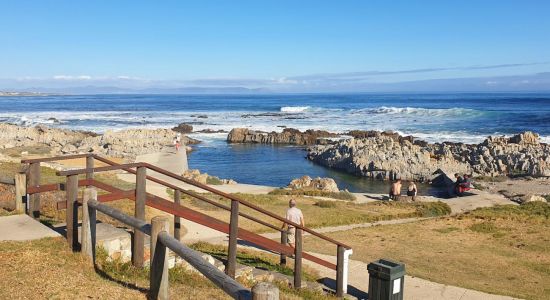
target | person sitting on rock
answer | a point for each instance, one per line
(462, 184)
(395, 190)
(411, 189)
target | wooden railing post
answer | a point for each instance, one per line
(20, 191)
(72, 211)
(340, 272)
(265, 291)
(159, 259)
(233, 233)
(177, 220)
(33, 203)
(284, 241)
(298, 259)
(138, 249)
(90, 165)
(87, 245)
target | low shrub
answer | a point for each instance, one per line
(326, 204)
(433, 209)
(484, 227)
(341, 195)
(214, 180)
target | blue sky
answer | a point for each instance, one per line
(278, 45)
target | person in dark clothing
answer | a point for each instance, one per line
(411, 189)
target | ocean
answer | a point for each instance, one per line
(468, 118)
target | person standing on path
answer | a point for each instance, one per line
(293, 214)
(177, 144)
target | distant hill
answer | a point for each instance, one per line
(117, 90)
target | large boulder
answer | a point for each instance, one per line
(287, 136)
(320, 184)
(183, 128)
(300, 183)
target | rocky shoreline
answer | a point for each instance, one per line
(287, 136)
(390, 156)
(124, 143)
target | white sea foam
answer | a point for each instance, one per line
(295, 109)
(419, 111)
(427, 124)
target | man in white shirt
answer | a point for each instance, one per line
(294, 215)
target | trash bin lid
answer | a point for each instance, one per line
(386, 269)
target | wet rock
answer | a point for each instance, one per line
(307, 183)
(386, 155)
(183, 128)
(287, 136)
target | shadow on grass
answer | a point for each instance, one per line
(108, 277)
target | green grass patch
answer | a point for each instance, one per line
(341, 195)
(213, 180)
(433, 209)
(531, 211)
(484, 227)
(305, 294)
(251, 258)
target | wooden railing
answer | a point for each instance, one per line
(142, 199)
(160, 240)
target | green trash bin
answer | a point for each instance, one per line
(386, 280)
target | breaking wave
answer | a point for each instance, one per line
(295, 109)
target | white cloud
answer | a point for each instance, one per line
(70, 77)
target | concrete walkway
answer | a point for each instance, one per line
(23, 228)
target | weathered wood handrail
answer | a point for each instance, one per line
(125, 167)
(194, 258)
(142, 199)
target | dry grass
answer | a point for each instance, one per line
(316, 216)
(500, 250)
(47, 269)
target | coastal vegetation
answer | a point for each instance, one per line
(256, 259)
(317, 215)
(340, 195)
(501, 250)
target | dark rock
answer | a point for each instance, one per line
(183, 128)
(288, 136)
